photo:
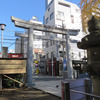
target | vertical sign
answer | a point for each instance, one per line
(64, 64)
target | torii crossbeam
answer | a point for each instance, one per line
(39, 37)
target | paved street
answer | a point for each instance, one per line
(52, 85)
(48, 84)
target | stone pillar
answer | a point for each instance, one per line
(29, 66)
(57, 49)
(96, 86)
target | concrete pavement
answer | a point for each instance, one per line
(48, 84)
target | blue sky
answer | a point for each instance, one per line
(23, 9)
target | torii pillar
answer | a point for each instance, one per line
(29, 66)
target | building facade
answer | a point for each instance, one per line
(63, 14)
(19, 45)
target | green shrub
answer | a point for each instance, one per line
(8, 83)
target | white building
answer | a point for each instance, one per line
(63, 14)
(37, 43)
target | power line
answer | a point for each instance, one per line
(10, 30)
(6, 42)
(9, 36)
(14, 31)
(11, 44)
(9, 39)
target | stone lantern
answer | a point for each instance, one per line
(91, 43)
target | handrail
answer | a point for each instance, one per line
(66, 90)
(14, 80)
(85, 93)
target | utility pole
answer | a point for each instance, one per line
(52, 66)
(57, 50)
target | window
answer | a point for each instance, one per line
(51, 16)
(63, 4)
(77, 10)
(47, 44)
(80, 54)
(52, 54)
(59, 26)
(46, 33)
(47, 55)
(60, 13)
(51, 42)
(72, 19)
(48, 9)
(37, 39)
(47, 20)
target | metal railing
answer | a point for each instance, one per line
(67, 90)
(88, 94)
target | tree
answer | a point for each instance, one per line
(89, 8)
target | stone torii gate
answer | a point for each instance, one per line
(31, 27)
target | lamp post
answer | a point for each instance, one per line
(2, 28)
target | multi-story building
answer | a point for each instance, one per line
(19, 45)
(63, 14)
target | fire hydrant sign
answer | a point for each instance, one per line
(12, 66)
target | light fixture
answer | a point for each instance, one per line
(2, 26)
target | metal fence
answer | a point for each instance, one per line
(70, 93)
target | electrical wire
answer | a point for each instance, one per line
(11, 44)
(9, 39)
(14, 31)
(10, 30)
(9, 36)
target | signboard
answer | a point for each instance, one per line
(64, 64)
(12, 66)
(15, 55)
